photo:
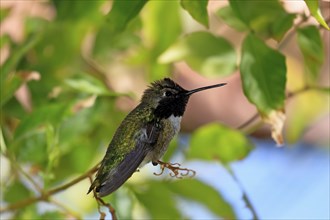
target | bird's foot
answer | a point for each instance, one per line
(177, 171)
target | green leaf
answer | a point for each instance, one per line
(304, 114)
(226, 13)
(31, 149)
(215, 141)
(283, 23)
(17, 54)
(89, 85)
(158, 38)
(263, 72)
(5, 40)
(13, 82)
(76, 10)
(27, 213)
(122, 13)
(53, 215)
(53, 150)
(9, 87)
(16, 192)
(150, 195)
(52, 113)
(198, 191)
(4, 12)
(264, 18)
(197, 10)
(313, 6)
(107, 43)
(153, 15)
(3, 147)
(208, 54)
(323, 89)
(311, 46)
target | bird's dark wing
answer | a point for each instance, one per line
(146, 141)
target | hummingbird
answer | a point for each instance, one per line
(144, 135)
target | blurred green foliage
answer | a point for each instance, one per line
(72, 109)
(311, 46)
(198, 10)
(214, 54)
(269, 19)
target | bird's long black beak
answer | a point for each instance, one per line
(204, 88)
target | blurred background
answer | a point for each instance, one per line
(72, 70)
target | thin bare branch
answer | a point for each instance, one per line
(100, 203)
(288, 96)
(244, 195)
(27, 176)
(249, 121)
(291, 32)
(46, 195)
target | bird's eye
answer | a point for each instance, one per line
(168, 93)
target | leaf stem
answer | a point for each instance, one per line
(290, 95)
(291, 32)
(307, 88)
(249, 121)
(26, 175)
(16, 165)
(244, 195)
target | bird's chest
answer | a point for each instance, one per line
(173, 123)
(170, 128)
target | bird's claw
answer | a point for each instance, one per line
(177, 171)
